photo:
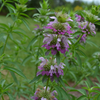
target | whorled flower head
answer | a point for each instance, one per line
(56, 43)
(59, 28)
(87, 27)
(41, 94)
(50, 68)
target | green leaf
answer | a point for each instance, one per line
(35, 79)
(66, 62)
(30, 8)
(24, 15)
(96, 91)
(23, 1)
(92, 43)
(58, 92)
(63, 84)
(15, 70)
(25, 23)
(26, 59)
(10, 35)
(87, 84)
(1, 50)
(98, 78)
(4, 25)
(32, 41)
(98, 23)
(98, 84)
(72, 73)
(14, 77)
(3, 82)
(8, 86)
(58, 58)
(83, 97)
(64, 94)
(81, 52)
(12, 11)
(19, 32)
(79, 59)
(82, 91)
(44, 79)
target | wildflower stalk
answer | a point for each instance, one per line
(8, 36)
(78, 39)
(47, 85)
(36, 68)
(5, 43)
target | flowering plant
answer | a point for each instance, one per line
(63, 35)
(50, 68)
(42, 94)
(59, 37)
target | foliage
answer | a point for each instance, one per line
(63, 35)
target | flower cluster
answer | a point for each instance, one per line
(50, 68)
(58, 39)
(56, 43)
(87, 28)
(79, 18)
(41, 94)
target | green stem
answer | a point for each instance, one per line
(2, 98)
(89, 96)
(47, 85)
(36, 68)
(5, 43)
(8, 37)
(78, 39)
(36, 71)
(3, 5)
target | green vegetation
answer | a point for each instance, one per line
(28, 69)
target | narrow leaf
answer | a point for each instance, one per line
(35, 79)
(58, 58)
(32, 41)
(15, 70)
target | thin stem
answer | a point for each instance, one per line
(3, 5)
(2, 98)
(5, 43)
(8, 37)
(78, 39)
(36, 68)
(47, 85)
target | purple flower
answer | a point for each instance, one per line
(54, 52)
(43, 98)
(34, 98)
(44, 62)
(88, 28)
(60, 43)
(79, 18)
(39, 94)
(37, 27)
(50, 68)
(48, 38)
(55, 21)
